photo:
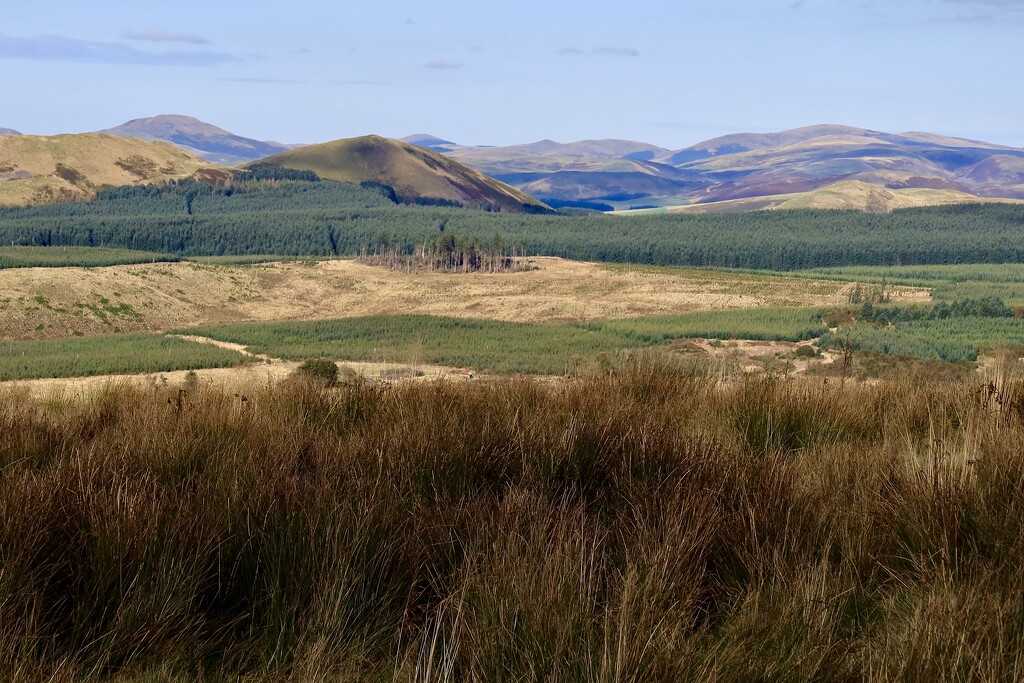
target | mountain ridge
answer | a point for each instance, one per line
(205, 140)
(626, 173)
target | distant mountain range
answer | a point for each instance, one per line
(623, 174)
(8, 131)
(204, 140)
(743, 171)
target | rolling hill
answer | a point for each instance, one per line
(746, 142)
(36, 169)
(8, 131)
(846, 195)
(198, 138)
(415, 175)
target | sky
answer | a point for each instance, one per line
(668, 73)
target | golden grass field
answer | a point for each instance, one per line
(42, 303)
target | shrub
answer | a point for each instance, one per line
(805, 352)
(319, 369)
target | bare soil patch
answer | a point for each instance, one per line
(758, 356)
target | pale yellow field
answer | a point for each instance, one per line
(37, 303)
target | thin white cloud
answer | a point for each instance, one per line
(617, 51)
(982, 11)
(63, 49)
(443, 64)
(602, 51)
(157, 36)
(998, 4)
(273, 81)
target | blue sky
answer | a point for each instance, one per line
(670, 73)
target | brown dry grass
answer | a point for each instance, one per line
(648, 523)
(55, 302)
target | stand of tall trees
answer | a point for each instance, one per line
(448, 253)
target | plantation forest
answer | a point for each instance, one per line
(317, 218)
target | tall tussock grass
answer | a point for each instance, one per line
(651, 522)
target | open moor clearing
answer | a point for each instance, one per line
(40, 303)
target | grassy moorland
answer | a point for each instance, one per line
(109, 354)
(647, 524)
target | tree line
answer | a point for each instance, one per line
(448, 253)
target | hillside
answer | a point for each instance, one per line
(415, 174)
(745, 142)
(36, 169)
(847, 195)
(861, 196)
(8, 131)
(198, 138)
